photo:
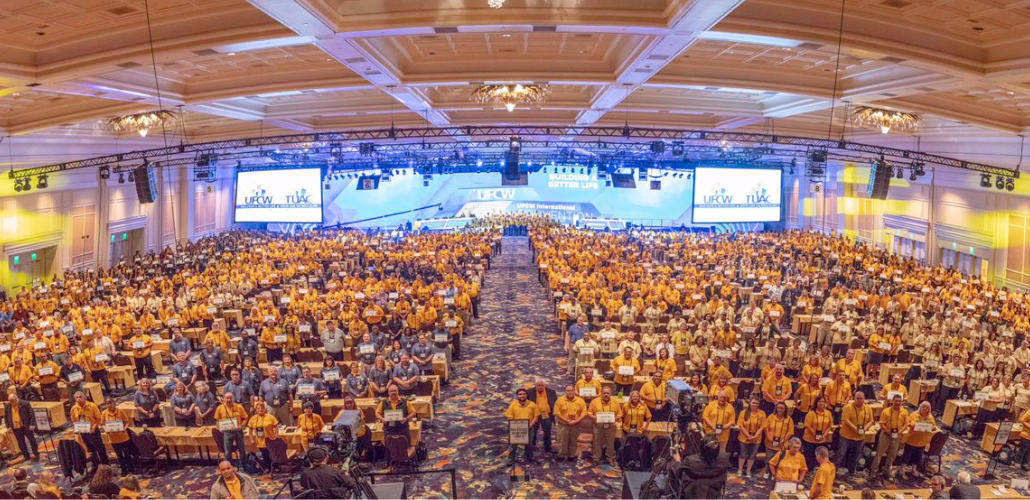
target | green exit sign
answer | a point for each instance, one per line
(33, 256)
(17, 260)
(125, 236)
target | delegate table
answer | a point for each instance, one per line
(957, 408)
(991, 430)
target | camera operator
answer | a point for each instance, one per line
(702, 475)
(325, 480)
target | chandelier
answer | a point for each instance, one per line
(511, 94)
(496, 4)
(885, 119)
(141, 123)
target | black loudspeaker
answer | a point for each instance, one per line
(146, 184)
(510, 175)
(880, 173)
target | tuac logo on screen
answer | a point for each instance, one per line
(759, 195)
(299, 197)
(258, 197)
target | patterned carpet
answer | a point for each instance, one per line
(514, 341)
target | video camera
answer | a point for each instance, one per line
(341, 441)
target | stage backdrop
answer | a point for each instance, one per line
(565, 196)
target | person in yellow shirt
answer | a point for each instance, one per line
(855, 420)
(220, 338)
(789, 464)
(775, 389)
(263, 427)
(920, 430)
(569, 411)
(591, 384)
(310, 425)
(750, 424)
(113, 419)
(522, 409)
(818, 425)
(717, 417)
(18, 419)
(141, 345)
(274, 341)
(231, 417)
(635, 415)
(851, 368)
(653, 395)
(86, 421)
(892, 420)
(896, 385)
(48, 373)
(1023, 452)
(838, 393)
(21, 375)
(778, 428)
(605, 413)
(805, 396)
(625, 367)
(665, 364)
(822, 484)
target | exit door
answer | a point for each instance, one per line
(28, 267)
(125, 245)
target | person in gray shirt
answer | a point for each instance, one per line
(405, 375)
(278, 396)
(334, 341)
(242, 392)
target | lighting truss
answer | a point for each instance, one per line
(589, 138)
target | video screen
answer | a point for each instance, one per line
(724, 195)
(284, 196)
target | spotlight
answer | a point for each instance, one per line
(900, 174)
(985, 180)
(105, 173)
(17, 185)
(1010, 184)
(917, 166)
(27, 184)
(912, 175)
(43, 182)
(999, 183)
(121, 178)
(132, 177)
(688, 176)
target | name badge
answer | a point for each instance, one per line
(114, 426)
(776, 442)
(818, 435)
(861, 430)
(606, 417)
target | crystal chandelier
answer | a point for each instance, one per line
(141, 123)
(511, 94)
(885, 119)
(496, 4)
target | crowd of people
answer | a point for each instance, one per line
(376, 311)
(719, 311)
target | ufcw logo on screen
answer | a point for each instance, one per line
(758, 196)
(258, 197)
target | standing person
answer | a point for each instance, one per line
(544, 398)
(822, 484)
(263, 426)
(789, 464)
(569, 411)
(87, 412)
(717, 417)
(604, 412)
(141, 346)
(855, 419)
(522, 409)
(278, 396)
(922, 428)
(893, 421)
(625, 367)
(233, 485)
(334, 341)
(114, 419)
(147, 405)
(231, 417)
(18, 417)
(751, 423)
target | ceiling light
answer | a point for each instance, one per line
(132, 177)
(885, 119)
(1010, 184)
(42, 184)
(999, 183)
(27, 184)
(142, 123)
(912, 176)
(105, 173)
(495, 4)
(121, 178)
(510, 95)
(751, 39)
(17, 185)
(985, 180)
(900, 173)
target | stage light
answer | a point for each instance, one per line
(42, 184)
(985, 180)
(132, 178)
(688, 176)
(912, 175)
(105, 173)
(479, 163)
(918, 168)
(121, 178)
(900, 174)
(1010, 184)
(27, 184)
(17, 185)
(999, 183)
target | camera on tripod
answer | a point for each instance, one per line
(685, 397)
(341, 441)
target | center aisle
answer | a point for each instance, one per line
(514, 341)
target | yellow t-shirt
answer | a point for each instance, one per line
(635, 416)
(788, 467)
(263, 427)
(716, 417)
(824, 477)
(542, 406)
(570, 410)
(235, 487)
(859, 418)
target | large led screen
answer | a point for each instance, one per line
(723, 195)
(293, 195)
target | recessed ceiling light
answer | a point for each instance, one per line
(506, 35)
(231, 53)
